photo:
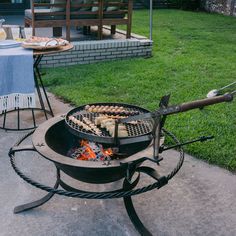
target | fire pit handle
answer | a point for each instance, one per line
(205, 102)
(181, 108)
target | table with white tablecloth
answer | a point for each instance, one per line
(19, 78)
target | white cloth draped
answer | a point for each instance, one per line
(17, 88)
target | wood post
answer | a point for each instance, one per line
(130, 9)
(33, 17)
(68, 20)
(100, 17)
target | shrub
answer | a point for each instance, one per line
(190, 5)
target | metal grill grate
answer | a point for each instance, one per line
(140, 128)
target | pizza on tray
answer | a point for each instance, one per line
(43, 43)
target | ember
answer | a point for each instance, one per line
(90, 151)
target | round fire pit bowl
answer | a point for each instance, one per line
(53, 140)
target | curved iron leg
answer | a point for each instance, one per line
(132, 213)
(31, 205)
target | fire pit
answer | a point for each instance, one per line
(53, 140)
(95, 143)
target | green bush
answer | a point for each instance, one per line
(190, 5)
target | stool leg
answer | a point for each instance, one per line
(113, 29)
(33, 31)
(22, 33)
(57, 31)
(85, 30)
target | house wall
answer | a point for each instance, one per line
(226, 7)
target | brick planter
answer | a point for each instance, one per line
(100, 50)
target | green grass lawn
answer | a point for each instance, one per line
(192, 54)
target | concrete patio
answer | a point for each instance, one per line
(199, 200)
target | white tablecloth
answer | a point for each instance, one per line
(17, 88)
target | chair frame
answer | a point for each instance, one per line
(68, 21)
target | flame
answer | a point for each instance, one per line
(88, 151)
(107, 152)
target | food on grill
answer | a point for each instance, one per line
(102, 121)
(79, 123)
(87, 125)
(134, 122)
(92, 126)
(117, 110)
(108, 123)
(102, 125)
(122, 133)
(99, 119)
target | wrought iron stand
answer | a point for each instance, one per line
(125, 192)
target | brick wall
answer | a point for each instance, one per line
(96, 51)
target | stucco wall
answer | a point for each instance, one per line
(226, 7)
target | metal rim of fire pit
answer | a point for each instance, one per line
(161, 181)
(139, 132)
(40, 144)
